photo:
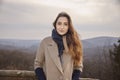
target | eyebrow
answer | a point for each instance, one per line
(60, 21)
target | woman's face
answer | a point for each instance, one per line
(62, 25)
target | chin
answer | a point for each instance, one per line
(62, 34)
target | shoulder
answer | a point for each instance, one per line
(47, 40)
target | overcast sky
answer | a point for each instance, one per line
(32, 19)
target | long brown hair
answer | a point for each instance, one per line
(73, 41)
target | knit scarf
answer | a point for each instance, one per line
(58, 39)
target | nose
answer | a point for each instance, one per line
(62, 26)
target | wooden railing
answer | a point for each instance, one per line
(25, 74)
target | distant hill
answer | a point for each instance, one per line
(22, 45)
(97, 46)
(99, 42)
(31, 45)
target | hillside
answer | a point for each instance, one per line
(20, 54)
(31, 45)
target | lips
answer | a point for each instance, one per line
(61, 30)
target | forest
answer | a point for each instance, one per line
(98, 62)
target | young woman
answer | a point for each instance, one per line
(59, 57)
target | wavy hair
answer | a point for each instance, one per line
(73, 41)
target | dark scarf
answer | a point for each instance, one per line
(58, 39)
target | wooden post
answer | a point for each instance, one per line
(17, 73)
(25, 74)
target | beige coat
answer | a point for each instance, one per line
(48, 59)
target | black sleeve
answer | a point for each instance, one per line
(40, 74)
(76, 74)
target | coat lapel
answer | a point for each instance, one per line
(53, 51)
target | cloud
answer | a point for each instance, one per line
(87, 15)
(36, 11)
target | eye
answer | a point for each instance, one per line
(59, 23)
(66, 24)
